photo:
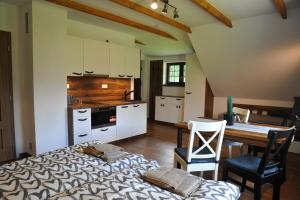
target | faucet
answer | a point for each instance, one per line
(126, 94)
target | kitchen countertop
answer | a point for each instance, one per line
(103, 104)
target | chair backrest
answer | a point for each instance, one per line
(290, 121)
(276, 149)
(242, 114)
(196, 128)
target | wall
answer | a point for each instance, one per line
(90, 88)
(259, 58)
(84, 30)
(49, 24)
(11, 20)
(220, 104)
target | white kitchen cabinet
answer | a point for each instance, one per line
(169, 109)
(131, 120)
(132, 62)
(74, 56)
(81, 126)
(194, 102)
(105, 134)
(116, 61)
(138, 119)
(124, 62)
(96, 57)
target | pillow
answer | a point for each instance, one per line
(174, 180)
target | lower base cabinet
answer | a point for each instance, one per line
(131, 120)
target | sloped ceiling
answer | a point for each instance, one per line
(259, 58)
(189, 13)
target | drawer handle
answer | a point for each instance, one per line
(81, 120)
(188, 92)
(89, 72)
(83, 135)
(77, 74)
(121, 76)
(178, 99)
(136, 106)
(82, 111)
(104, 129)
(129, 76)
(162, 97)
(124, 107)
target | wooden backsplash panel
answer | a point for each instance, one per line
(89, 88)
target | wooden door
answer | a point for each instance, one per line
(209, 101)
(156, 80)
(7, 136)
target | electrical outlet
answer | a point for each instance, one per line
(104, 86)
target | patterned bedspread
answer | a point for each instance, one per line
(68, 174)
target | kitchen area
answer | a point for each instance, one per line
(102, 104)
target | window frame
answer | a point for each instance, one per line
(181, 74)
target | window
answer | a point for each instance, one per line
(176, 74)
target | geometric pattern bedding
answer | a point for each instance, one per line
(68, 174)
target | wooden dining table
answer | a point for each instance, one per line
(243, 136)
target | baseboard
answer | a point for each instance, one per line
(295, 147)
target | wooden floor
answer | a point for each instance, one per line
(159, 144)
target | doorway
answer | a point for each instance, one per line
(7, 135)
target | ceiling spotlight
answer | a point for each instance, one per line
(175, 14)
(165, 10)
(154, 5)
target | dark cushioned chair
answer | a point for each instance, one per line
(266, 169)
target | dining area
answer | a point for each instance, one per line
(262, 149)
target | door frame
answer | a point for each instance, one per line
(8, 35)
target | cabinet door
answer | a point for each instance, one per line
(123, 122)
(194, 100)
(96, 57)
(138, 119)
(74, 56)
(160, 109)
(105, 134)
(116, 61)
(132, 62)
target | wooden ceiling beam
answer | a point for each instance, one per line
(106, 15)
(280, 5)
(146, 11)
(204, 4)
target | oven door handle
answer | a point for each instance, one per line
(104, 129)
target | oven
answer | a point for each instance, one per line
(103, 116)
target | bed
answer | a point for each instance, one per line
(68, 174)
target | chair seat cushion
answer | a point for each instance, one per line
(250, 164)
(182, 152)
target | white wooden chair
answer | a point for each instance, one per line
(203, 158)
(242, 116)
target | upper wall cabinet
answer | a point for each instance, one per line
(74, 56)
(95, 57)
(124, 62)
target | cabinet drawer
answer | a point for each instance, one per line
(104, 135)
(82, 125)
(82, 113)
(80, 138)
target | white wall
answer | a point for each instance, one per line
(84, 30)
(12, 20)
(259, 58)
(49, 24)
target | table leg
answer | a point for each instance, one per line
(179, 137)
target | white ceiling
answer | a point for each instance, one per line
(189, 13)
